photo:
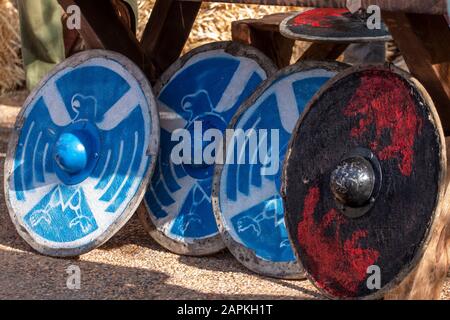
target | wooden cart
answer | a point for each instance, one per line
(419, 28)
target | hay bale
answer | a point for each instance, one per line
(12, 74)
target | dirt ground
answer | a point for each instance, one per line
(130, 266)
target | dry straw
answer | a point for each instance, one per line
(11, 70)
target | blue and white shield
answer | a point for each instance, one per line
(197, 98)
(249, 206)
(81, 154)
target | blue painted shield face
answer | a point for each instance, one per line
(81, 154)
(249, 199)
(199, 98)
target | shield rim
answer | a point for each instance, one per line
(152, 151)
(214, 244)
(284, 30)
(246, 256)
(440, 196)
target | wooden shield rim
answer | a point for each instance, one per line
(282, 270)
(213, 244)
(153, 148)
(284, 30)
(440, 196)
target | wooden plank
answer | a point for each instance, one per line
(264, 35)
(412, 6)
(166, 33)
(101, 28)
(424, 42)
(270, 22)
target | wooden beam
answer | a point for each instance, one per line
(101, 28)
(412, 6)
(424, 41)
(269, 22)
(168, 29)
(264, 35)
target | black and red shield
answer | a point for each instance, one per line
(334, 25)
(384, 119)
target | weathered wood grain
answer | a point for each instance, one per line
(424, 42)
(413, 6)
(106, 30)
(167, 30)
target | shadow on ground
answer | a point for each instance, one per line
(33, 274)
(26, 274)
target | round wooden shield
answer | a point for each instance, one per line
(362, 180)
(81, 153)
(334, 25)
(246, 191)
(198, 95)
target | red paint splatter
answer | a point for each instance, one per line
(385, 101)
(339, 265)
(320, 18)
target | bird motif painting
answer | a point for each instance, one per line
(81, 153)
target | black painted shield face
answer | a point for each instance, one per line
(336, 25)
(361, 182)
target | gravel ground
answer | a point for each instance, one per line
(130, 266)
